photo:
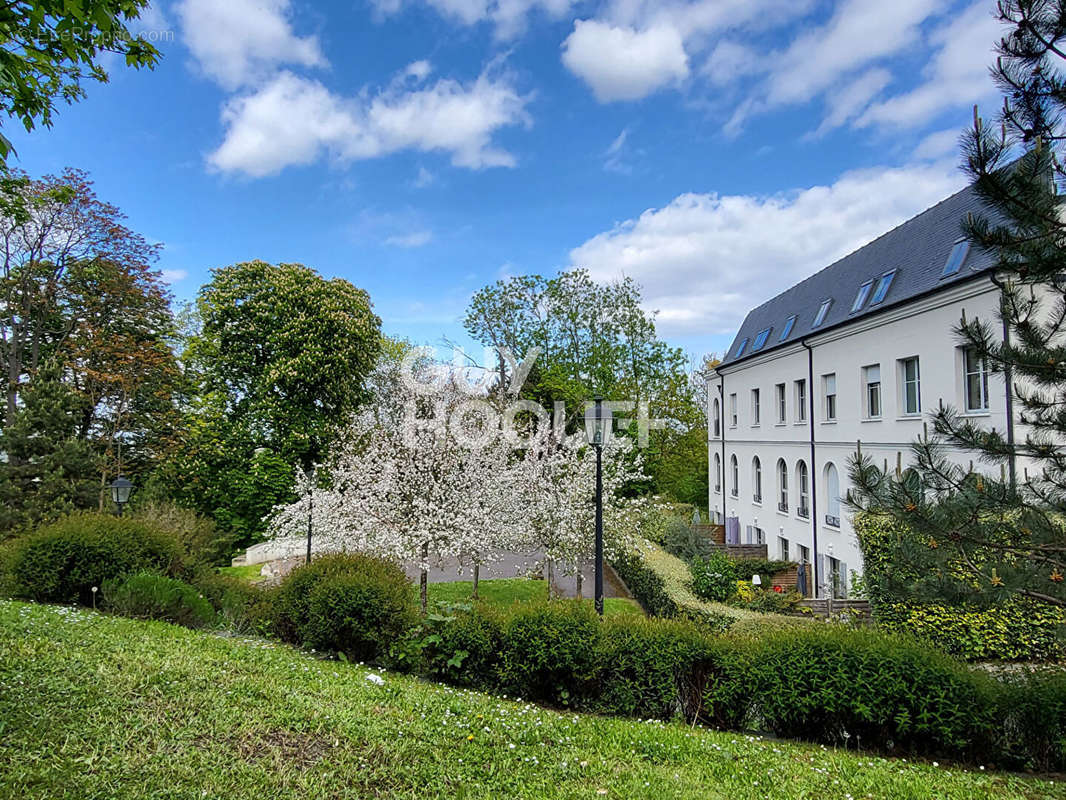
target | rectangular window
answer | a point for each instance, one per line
(760, 340)
(755, 411)
(871, 378)
(882, 287)
(781, 403)
(789, 323)
(820, 316)
(801, 401)
(911, 385)
(782, 547)
(955, 258)
(829, 384)
(803, 554)
(860, 298)
(976, 373)
(733, 410)
(740, 348)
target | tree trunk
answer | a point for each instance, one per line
(477, 577)
(423, 580)
(578, 580)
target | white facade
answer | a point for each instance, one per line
(864, 387)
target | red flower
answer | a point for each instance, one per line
(778, 589)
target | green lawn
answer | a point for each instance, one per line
(249, 572)
(93, 706)
(504, 592)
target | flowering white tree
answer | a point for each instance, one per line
(420, 477)
(557, 482)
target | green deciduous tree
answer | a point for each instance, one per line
(590, 339)
(51, 47)
(281, 357)
(1001, 531)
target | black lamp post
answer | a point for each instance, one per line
(121, 488)
(596, 428)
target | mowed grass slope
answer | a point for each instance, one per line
(93, 706)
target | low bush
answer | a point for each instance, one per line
(684, 541)
(852, 687)
(360, 614)
(462, 644)
(714, 577)
(62, 561)
(765, 600)
(353, 604)
(655, 669)
(146, 595)
(1017, 631)
(646, 585)
(200, 542)
(549, 652)
(242, 607)
(1032, 713)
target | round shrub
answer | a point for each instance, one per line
(360, 614)
(61, 562)
(146, 595)
(549, 652)
(349, 603)
(714, 578)
(1032, 708)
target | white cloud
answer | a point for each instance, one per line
(239, 42)
(624, 63)
(424, 178)
(858, 33)
(956, 77)
(939, 144)
(410, 240)
(174, 275)
(849, 100)
(508, 16)
(615, 153)
(294, 121)
(704, 260)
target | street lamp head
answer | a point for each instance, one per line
(597, 422)
(120, 490)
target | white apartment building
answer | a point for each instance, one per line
(859, 352)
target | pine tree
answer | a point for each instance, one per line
(996, 528)
(46, 470)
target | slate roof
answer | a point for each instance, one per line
(917, 250)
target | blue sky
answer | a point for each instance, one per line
(716, 151)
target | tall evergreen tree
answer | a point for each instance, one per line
(998, 531)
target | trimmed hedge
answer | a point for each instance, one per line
(61, 562)
(829, 684)
(353, 604)
(243, 607)
(1017, 630)
(1020, 631)
(146, 595)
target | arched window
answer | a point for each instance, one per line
(782, 485)
(803, 489)
(832, 496)
(734, 469)
(717, 473)
(756, 479)
(717, 418)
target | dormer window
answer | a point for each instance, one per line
(955, 258)
(820, 318)
(882, 287)
(860, 298)
(760, 340)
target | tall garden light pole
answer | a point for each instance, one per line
(597, 433)
(310, 508)
(120, 492)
